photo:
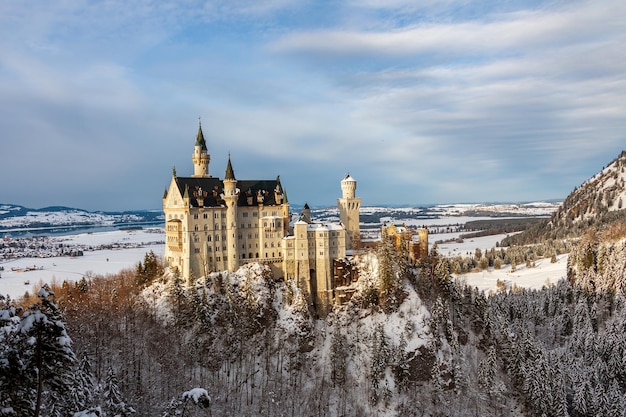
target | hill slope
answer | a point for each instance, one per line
(598, 202)
(18, 217)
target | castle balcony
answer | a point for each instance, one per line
(174, 235)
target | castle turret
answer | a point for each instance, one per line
(349, 207)
(301, 253)
(200, 157)
(422, 233)
(306, 213)
(230, 197)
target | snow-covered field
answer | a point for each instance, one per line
(543, 273)
(99, 262)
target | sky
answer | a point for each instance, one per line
(422, 102)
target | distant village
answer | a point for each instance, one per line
(51, 247)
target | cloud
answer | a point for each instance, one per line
(421, 102)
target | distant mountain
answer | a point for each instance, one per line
(13, 217)
(597, 203)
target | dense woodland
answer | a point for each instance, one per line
(411, 341)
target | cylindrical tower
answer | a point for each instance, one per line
(422, 234)
(348, 187)
(349, 207)
(200, 157)
(231, 195)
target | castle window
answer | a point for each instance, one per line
(215, 215)
(243, 256)
(243, 246)
(206, 227)
(257, 254)
(245, 214)
(208, 238)
(195, 216)
(255, 214)
(219, 258)
(195, 228)
(272, 244)
(217, 226)
(250, 255)
(197, 250)
(217, 238)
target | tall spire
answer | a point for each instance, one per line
(200, 137)
(230, 174)
(200, 157)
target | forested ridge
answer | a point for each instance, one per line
(597, 203)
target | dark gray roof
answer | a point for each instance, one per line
(211, 188)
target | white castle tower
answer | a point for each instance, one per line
(200, 157)
(349, 207)
(230, 196)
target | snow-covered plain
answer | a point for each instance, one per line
(101, 262)
(542, 274)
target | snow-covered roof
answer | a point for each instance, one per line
(312, 227)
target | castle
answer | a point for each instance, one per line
(214, 224)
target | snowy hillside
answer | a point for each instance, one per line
(14, 217)
(602, 193)
(598, 202)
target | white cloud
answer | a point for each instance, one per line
(505, 33)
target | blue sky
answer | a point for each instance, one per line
(422, 102)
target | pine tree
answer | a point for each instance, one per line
(487, 371)
(47, 360)
(338, 355)
(386, 277)
(113, 400)
(9, 358)
(379, 356)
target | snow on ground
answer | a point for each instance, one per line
(544, 273)
(468, 246)
(100, 262)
